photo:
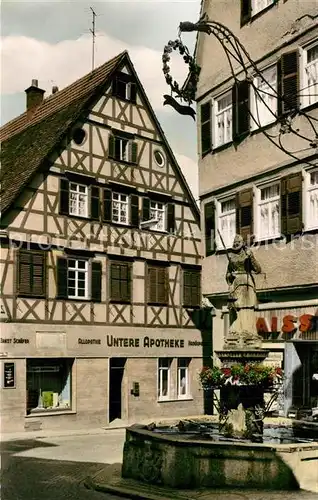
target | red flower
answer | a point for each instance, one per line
(226, 372)
(279, 371)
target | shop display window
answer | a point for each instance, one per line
(48, 385)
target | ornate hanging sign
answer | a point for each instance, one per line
(188, 89)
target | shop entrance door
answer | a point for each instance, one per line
(116, 372)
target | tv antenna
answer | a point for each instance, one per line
(93, 35)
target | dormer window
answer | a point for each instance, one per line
(124, 88)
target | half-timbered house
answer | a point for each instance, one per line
(100, 260)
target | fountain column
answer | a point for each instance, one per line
(242, 344)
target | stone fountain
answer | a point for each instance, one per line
(193, 455)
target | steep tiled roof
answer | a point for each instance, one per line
(27, 142)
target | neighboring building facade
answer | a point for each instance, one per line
(249, 186)
(101, 261)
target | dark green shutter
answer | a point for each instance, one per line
(96, 285)
(209, 218)
(145, 209)
(64, 197)
(244, 214)
(125, 281)
(61, 266)
(240, 110)
(171, 218)
(246, 11)
(291, 204)
(134, 210)
(115, 281)
(111, 146)
(290, 81)
(186, 288)
(206, 136)
(107, 205)
(133, 152)
(162, 285)
(95, 204)
(133, 93)
(38, 274)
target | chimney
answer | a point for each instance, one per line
(55, 89)
(34, 97)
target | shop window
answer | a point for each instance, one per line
(49, 385)
(120, 281)
(191, 287)
(311, 199)
(164, 375)
(157, 285)
(31, 273)
(264, 99)
(183, 378)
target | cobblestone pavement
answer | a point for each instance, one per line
(55, 468)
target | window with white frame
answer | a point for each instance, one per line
(77, 278)
(264, 98)
(78, 196)
(311, 200)
(164, 366)
(222, 120)
(226, 222)
(158, 212)
(121, 149)
(120, 208)
(309, 91)
(268, 212)
(259, 5)
(183, 378)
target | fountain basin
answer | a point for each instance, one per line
(179, 462)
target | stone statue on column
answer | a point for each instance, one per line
(242, 296)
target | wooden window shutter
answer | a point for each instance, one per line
(96, 285)
(145, 209)
(107, 205)
(196, 289)
(209, 218)
(246, 11)
(171, 218)
(133, 93)
(61, 266)
(288, 88)
(153, 285)
(31, 273)
(134, 210)
(95, 204)
(38, 274)
(162, 285)
(133, 152)
(240, 110)
(125, 270)
(244, 214)
(291, 204)
(25, 272)
(111, 146)
(115, 292)
(206, 139)
(64, 197)
(187, 283)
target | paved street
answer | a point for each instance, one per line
(55, 468)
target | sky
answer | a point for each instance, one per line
(51, 41)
